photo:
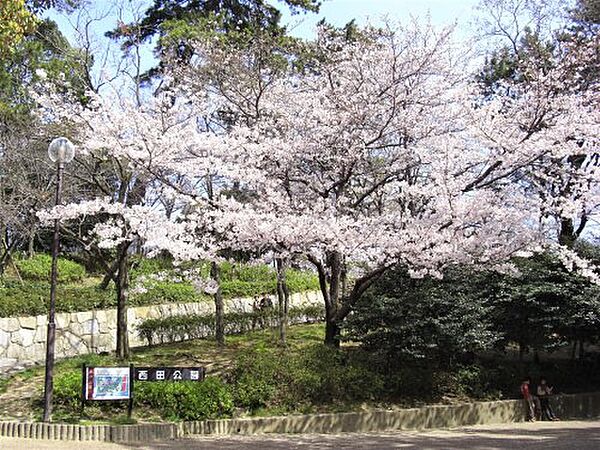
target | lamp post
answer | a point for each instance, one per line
(60, 151)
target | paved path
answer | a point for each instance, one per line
(545, 435)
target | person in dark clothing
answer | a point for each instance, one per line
(544, 392)
(528, 398)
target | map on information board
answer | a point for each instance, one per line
(108, 383)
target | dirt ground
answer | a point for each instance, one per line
(579, 435)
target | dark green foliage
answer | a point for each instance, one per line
(46, 49)
(546, 305)
(509, 65)
(287, 382)
(148, 266)
(195, 326)
(38, 268)
(178, 23)
(187, 400)
(413, 319)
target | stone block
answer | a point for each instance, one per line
(75, 328)
(4, 338)
(37, 352)
(143, 312)
(91, 327)
(27, 337)
(16, 351)
(111, 316)
(82, 316)
(12, 324)
(28, 322)
(41, 333)
(63, 320)
(100, 316)
(41, 320)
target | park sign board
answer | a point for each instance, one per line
(169, 374)
(116, 383)
(107, 383)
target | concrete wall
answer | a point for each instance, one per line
(580, 406)
(23, 339)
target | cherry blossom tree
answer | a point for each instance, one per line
(381, 151)
(373, 148)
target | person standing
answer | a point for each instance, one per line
(528, 399)
(544, 392)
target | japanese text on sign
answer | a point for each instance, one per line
(169, 373)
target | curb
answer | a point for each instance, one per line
(578, 406)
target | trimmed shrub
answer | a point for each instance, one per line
(32, 298)
(195, 326)
(186, 400)
(38, 268)
(291, 382)
(167, 292)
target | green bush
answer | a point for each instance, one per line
(239, 288)
(32, 298)
(166, 292)
(186, 400)
(290, 382)
(195, 326)
(67, 391)
(149, 266)
(38, 268)
(302, 281)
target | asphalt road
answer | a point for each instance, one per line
(542, 435)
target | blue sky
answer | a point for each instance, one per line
(337, 12)
(340, 12)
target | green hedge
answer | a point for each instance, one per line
(186, 400)
(167, 292)
(31, 297)
(38, 268)
(195, 326)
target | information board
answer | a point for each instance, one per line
(107, 383)
(169, 374)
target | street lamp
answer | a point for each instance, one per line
(60, 151)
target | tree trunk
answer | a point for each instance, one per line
(219, 307)
(283, 299)
(109, 276)
(336, 307)
(31, 242)
(122, 301)
(332, 328)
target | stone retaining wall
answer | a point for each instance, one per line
(580, 406)
(23, 339)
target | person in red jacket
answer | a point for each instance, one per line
(528, 398)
